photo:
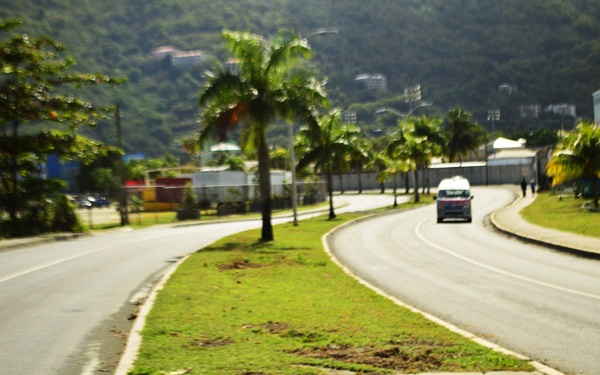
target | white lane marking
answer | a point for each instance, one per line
(55, 262)
(506, 273)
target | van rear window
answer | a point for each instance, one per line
(453, 193)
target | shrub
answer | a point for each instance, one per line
(64, 217)
(189, 211)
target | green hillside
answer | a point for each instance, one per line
(459, 51)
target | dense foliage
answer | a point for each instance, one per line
(266, 85)
(460, 51)
(578, 157)
(36, 86)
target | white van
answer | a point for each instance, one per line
(453, 200)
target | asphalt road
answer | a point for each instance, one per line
(65, 305)
(532, 300)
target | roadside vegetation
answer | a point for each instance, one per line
(563, 214)
(242, 306)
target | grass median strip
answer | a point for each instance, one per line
(244, 307)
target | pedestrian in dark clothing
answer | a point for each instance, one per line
(524, 186)
(532, 184)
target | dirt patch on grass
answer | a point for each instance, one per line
(238, 264)
(211, 343)
(398, 358)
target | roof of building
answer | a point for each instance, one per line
(466, 164)
(513, 154)
(225, 147)
(504, 143)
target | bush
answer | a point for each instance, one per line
(189, 211)
(64, 217)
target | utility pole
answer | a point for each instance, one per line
(123, 209)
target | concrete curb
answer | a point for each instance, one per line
(541, 236)
(134, 340)
(541, 369)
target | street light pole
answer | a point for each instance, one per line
(405, 115)
(493, 116)
(400, 114)
(412, 95)
(320, 31)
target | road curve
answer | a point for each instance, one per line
(532, 300)
(65, 305)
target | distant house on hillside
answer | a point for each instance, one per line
(373, 81)
(180, 58)
(563, 109)
(596, 97)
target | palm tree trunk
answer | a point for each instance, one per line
(416, 185)
(594, 181)
(264, 176)
(330, 188)
(395, 195)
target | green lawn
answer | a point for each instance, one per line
(564, 214)
(245, 307)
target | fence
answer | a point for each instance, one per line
(477, 174)
(169, 198)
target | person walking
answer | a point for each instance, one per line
(524, 186)
(532, 184)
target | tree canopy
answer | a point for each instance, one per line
(37, 88)
(577, 156)
(460, 52)
(328, 145)
(264, 86)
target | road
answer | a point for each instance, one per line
(532, 300)
(65, 305)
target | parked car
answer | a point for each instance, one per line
(94, 201)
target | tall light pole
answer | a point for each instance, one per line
(319, 31)
(400, 114)
(412, 95)
(493, 116)
(405, 115)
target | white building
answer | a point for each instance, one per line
(373, 81)
(562, 109)
(509, 152)
(221, 185)
(596, 97)
(180, 58)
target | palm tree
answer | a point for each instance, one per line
(429, 127)
(463, 134)
(263, 88)
(379, 163)
(326, 145)
(394, 166)
(359, 157)
(578, 155)
(412, 144)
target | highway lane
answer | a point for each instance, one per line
(55, 296)
(64, 305)
(527, 298)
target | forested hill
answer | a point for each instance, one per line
(459, 51)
